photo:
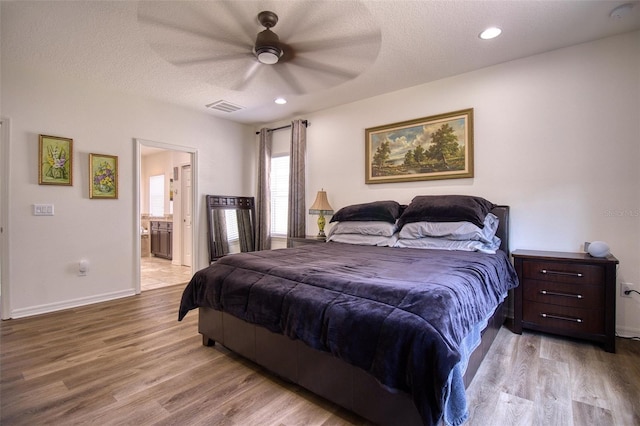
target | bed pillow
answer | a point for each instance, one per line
(386, 211)
(364, 240)
(444, 244)
(446, 208)
(459, 231)
(365, 227)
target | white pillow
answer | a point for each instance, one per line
(458, 231)
(364, 240)
(444, 244)
(364, 228)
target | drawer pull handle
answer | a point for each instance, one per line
(571, 274)
(553, 293)
(560, 318)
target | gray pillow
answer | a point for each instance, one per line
(460, 231)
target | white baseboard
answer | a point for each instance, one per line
(68, 304)
(627, 332)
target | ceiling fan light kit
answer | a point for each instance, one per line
(268, 55)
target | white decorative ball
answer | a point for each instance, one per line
(598, 249)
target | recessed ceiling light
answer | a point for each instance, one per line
(280, 101)
(489, 33)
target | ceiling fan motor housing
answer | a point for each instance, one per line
(267, 46)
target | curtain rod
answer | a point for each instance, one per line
(305, 122)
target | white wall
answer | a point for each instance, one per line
(557, 137)
(44, 251)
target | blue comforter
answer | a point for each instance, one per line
(400, 314)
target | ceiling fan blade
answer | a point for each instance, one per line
(336, 42)
(248, 26)
(323, 68)
(248, 77)
(217, 58)
(295, 20)
(314, 19)
(171, 26)
(290, 80)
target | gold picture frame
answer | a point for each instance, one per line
(55, 160)
(103, 176)
(435, 147)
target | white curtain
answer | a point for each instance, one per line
(263, 201)
(297, 210)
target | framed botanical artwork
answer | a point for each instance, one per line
(103, 176)
(55, 160)
(436, 147)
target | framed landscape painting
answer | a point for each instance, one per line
(55, 160)
(436, 147)
(103, 176)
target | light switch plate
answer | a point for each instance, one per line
(43, 210)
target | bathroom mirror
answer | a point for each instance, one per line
(230, 220)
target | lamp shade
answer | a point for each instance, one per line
(321, 204)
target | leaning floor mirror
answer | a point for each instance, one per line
(230, 221)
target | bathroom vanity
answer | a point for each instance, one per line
(161, 238)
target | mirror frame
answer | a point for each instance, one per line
(227, 202)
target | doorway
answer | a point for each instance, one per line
(177, 163)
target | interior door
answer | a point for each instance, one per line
(186, 215)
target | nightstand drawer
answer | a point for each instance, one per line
(562, 319)
(563, 272)
(572, 295)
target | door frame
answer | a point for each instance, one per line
(5, 197)
(182, 205)
(138, 143)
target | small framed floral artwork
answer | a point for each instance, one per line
(55, 160)
(103, 176)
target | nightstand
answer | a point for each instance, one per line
(570, 294)
(301, 241)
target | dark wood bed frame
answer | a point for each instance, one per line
(330, 377)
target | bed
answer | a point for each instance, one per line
(393, 334)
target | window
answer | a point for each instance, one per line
(231, 219)
(156, 195)
(279, 195)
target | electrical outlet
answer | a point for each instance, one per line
(625, 287)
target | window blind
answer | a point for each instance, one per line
(279, 195)
(156, 195)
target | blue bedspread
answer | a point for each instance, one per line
(400, 314)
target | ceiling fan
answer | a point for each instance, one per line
(233, 44)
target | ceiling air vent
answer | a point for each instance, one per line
(224, 106)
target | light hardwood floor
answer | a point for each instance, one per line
(130, 361)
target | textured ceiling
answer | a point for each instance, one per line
(197, 53)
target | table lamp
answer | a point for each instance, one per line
(321, 207)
